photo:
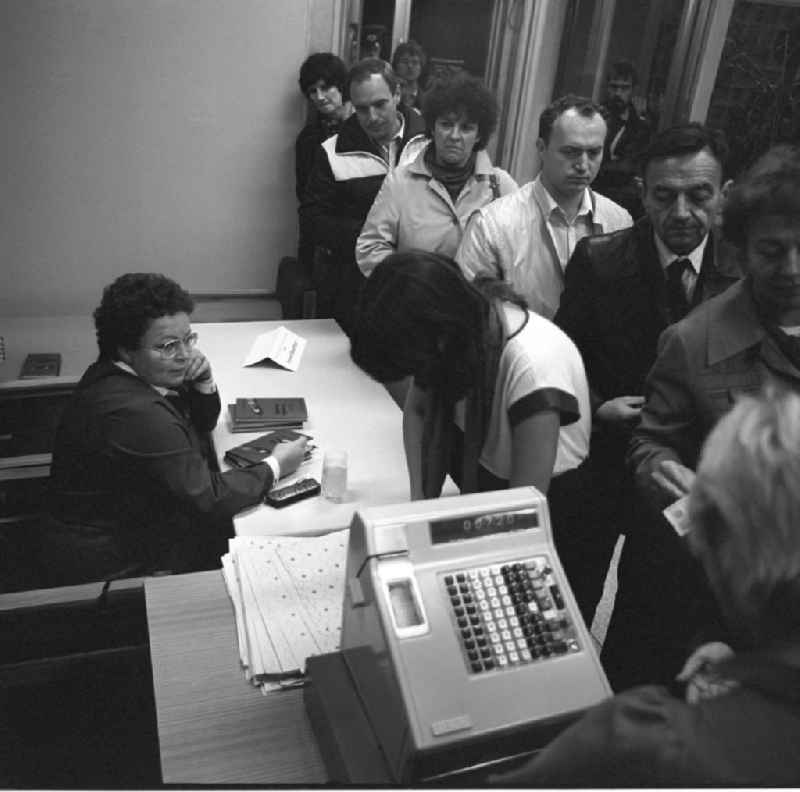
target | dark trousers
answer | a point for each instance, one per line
(348, 292)
(337, 281)
(585, 528)
(663, 606)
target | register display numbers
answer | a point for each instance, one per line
(473, 526)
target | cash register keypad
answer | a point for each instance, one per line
(509, 614)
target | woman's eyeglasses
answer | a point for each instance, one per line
(169, 349)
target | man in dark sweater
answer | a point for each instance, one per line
(348, 171)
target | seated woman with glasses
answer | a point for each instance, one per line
(134, 487)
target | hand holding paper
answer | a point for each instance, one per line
(677, 515)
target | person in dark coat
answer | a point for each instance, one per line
(348, 171)
(738, 724)
(322, 81)
(629, 133)
(730, 345)
(617, 300)
(134, 486)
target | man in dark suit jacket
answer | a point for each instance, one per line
(621, 291)
(730, 346)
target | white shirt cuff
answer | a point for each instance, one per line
(274, 466)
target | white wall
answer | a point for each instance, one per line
(146, 135)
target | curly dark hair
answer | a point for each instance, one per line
(130, 304)
(770, 187)
(461, 94)
(323, 66)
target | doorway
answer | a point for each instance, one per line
(453, 33)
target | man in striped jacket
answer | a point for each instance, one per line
(348, 172)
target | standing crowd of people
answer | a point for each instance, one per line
(620, 332)
(585, 333)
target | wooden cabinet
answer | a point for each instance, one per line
(29, 418)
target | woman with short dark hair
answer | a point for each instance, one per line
(427, 203)
(134, 487)
(323, 79)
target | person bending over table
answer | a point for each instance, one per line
(739, 724)
(499, 396)
(134, 484)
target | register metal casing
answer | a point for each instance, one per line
(460, 632)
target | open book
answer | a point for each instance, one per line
(287, 596)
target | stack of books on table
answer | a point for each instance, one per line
(256, 413)
(287, 598)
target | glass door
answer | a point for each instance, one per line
(453, 33)
(600, 32)
(756, 91)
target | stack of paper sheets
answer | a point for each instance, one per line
(287, 596)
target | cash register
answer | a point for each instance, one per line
(462, 648)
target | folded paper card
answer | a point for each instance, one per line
(281, 346)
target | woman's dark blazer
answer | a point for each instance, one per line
(134, 482)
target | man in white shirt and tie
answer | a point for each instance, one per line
(528, 236)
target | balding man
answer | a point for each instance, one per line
(527, 237)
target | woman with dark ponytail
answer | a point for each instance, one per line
(498, 398)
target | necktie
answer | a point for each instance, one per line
(676, 293)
